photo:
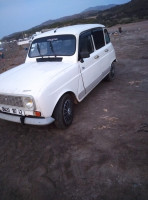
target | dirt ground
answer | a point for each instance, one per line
(103, 155)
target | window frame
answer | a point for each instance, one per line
(87, 32)
(92, 39)
(105, 36)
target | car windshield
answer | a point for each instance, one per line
(58, 45)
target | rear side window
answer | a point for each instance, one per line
(85, 43)
(98, 37)
(107, 38)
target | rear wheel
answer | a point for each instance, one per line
(63, 113)
(111, 75)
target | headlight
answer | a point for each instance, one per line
(28, 103)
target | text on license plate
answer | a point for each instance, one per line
(12, 111)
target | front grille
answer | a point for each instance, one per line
(11, 100)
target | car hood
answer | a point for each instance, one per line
(29, 77)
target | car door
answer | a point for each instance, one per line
(102, 49)
(91, 67)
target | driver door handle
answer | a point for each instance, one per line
(106, 50)
(96, 57)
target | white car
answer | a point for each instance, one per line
(61, 68)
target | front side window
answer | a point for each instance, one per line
(85, 43)
(98, 37)
(58, 45)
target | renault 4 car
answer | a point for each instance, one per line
(62, 67)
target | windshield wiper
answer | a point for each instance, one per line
(52, 49)
(38, 48)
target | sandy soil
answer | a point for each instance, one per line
(103, 155)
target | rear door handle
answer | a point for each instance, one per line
(106, 50)
(96, 57)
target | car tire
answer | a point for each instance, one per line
(111, 75)
(63, 112)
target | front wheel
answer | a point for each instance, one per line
(63, 113)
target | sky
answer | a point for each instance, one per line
(19, 15)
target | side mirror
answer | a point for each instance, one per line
(83, 54)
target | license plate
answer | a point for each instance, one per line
(12, 111)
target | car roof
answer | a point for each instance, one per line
(75, 30)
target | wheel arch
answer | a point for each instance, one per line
(72, 94)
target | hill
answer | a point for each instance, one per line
(85, 13)
(130, 12)
(133, 11)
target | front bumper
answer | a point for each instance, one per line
(27, 120)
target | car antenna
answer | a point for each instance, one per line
(56, 30)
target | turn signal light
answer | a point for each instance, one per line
(37, 114)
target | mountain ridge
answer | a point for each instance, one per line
(133, 11)
(99, 8)
(85, 12)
